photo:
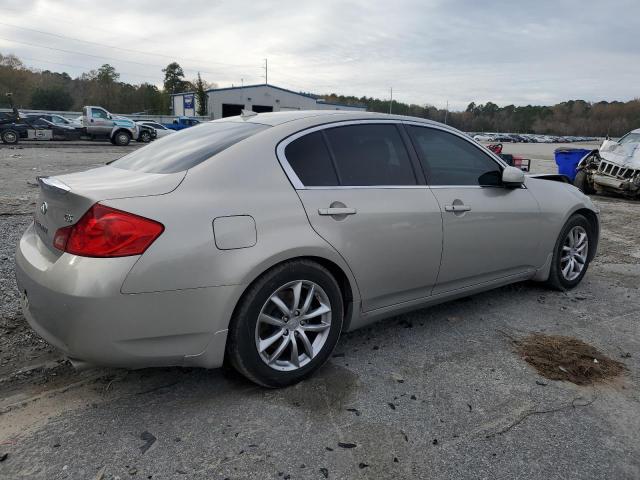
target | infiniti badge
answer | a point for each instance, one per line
(44, 207)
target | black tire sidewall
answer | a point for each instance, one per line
(248, 359)
(556, 272)
(7, 133)
(116, 139)
(582, 182)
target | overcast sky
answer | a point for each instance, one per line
(429, 51)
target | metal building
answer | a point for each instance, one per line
(227, 102)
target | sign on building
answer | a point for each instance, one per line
(188, 101)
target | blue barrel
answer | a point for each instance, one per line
(567, 160)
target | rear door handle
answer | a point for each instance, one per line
(337, 211)
(457, 208)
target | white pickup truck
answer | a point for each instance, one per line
(98, 123)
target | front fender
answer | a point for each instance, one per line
(558, 202)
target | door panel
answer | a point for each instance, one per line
(489, 233)
(392, 242)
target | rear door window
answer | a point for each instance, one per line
(309, 158)
(451, 160)
(187, 148)
(370, 155)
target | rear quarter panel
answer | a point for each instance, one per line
(245, 179)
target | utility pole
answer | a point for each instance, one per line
(446, 113)
(266, 72)
(391, 99)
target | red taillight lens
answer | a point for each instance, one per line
(107, 232)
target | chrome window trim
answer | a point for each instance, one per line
(298, 185)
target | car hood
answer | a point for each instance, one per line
(626, 155)
(123, 122)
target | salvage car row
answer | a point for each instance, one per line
(526, 138)
(95, 123)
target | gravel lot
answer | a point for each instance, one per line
(437, 393)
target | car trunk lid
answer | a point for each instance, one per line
(64, 199)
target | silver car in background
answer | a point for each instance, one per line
(260, 239)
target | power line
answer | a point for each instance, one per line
(83, 67)
(119, 48)
(104, 57)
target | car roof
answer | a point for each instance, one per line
(323, 116)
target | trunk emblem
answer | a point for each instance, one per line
(68, 218)
(44, 207)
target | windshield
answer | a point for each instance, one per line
(630, 138)
(187, 148)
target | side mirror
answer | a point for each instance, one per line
(512, 177)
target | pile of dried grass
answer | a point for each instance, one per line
(564, 358)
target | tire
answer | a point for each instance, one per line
(145, 137)
(10, 137)
(558, 280)
(121, 138)
(582, 182)
(267, 368)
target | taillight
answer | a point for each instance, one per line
(107, 232)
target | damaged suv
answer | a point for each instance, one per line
(614, 168)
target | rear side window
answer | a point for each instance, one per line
(309, 158)
(450, 160)
(370, 155)
(187, 148)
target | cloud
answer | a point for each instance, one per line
(430, 52)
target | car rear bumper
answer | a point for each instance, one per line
(75, 303)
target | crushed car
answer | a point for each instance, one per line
(613, 168)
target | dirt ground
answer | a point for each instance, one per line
(439, 392)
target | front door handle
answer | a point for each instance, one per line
(457, 208)
(337, 211)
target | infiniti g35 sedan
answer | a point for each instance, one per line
(257, 240)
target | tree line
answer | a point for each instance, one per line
(573, 117)
(47, 90)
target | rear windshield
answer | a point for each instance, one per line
(187, 148)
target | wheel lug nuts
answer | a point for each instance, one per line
(297, 313)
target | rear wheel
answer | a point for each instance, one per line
(572, 255)
(10, 137)
(121, 138)
(286, 325)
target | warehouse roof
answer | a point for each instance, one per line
(308, 95)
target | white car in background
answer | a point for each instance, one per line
(484, 137)
(160, 129)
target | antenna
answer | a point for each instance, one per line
(391, 99)
(446, 113)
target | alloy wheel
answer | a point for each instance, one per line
(574, 253)
(293, 325)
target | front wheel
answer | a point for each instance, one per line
(572, 254)
(582, 182)
(145, 137)
(286, 325)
